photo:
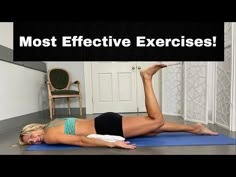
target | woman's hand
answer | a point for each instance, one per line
(124, 144)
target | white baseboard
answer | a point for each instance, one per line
(171, 114)
(222, 125)
(197, 121)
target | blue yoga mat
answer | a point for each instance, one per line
(163, 139)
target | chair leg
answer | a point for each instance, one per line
(50, 107)
(53, 107)
(68, 103)
(80, 106)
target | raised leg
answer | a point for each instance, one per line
(152, 106)
(154, 120)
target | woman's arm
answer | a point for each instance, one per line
(85, 141)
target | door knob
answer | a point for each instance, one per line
(133, 68)
(139, 67)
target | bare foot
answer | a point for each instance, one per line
(202, 130)
(150, 71)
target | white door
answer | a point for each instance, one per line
(156, 81)
(114, 87)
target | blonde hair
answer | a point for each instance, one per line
(30, 128)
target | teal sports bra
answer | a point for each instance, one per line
(69, 127)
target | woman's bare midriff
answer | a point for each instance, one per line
(84, 127)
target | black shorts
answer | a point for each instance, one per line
(109, 123)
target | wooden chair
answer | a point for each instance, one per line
(58, 84)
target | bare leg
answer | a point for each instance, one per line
(175, 127)
(152, 106)
(154, 112)
(154, 120)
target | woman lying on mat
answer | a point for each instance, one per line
(73, 131)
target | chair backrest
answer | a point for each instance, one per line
(59, 78)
